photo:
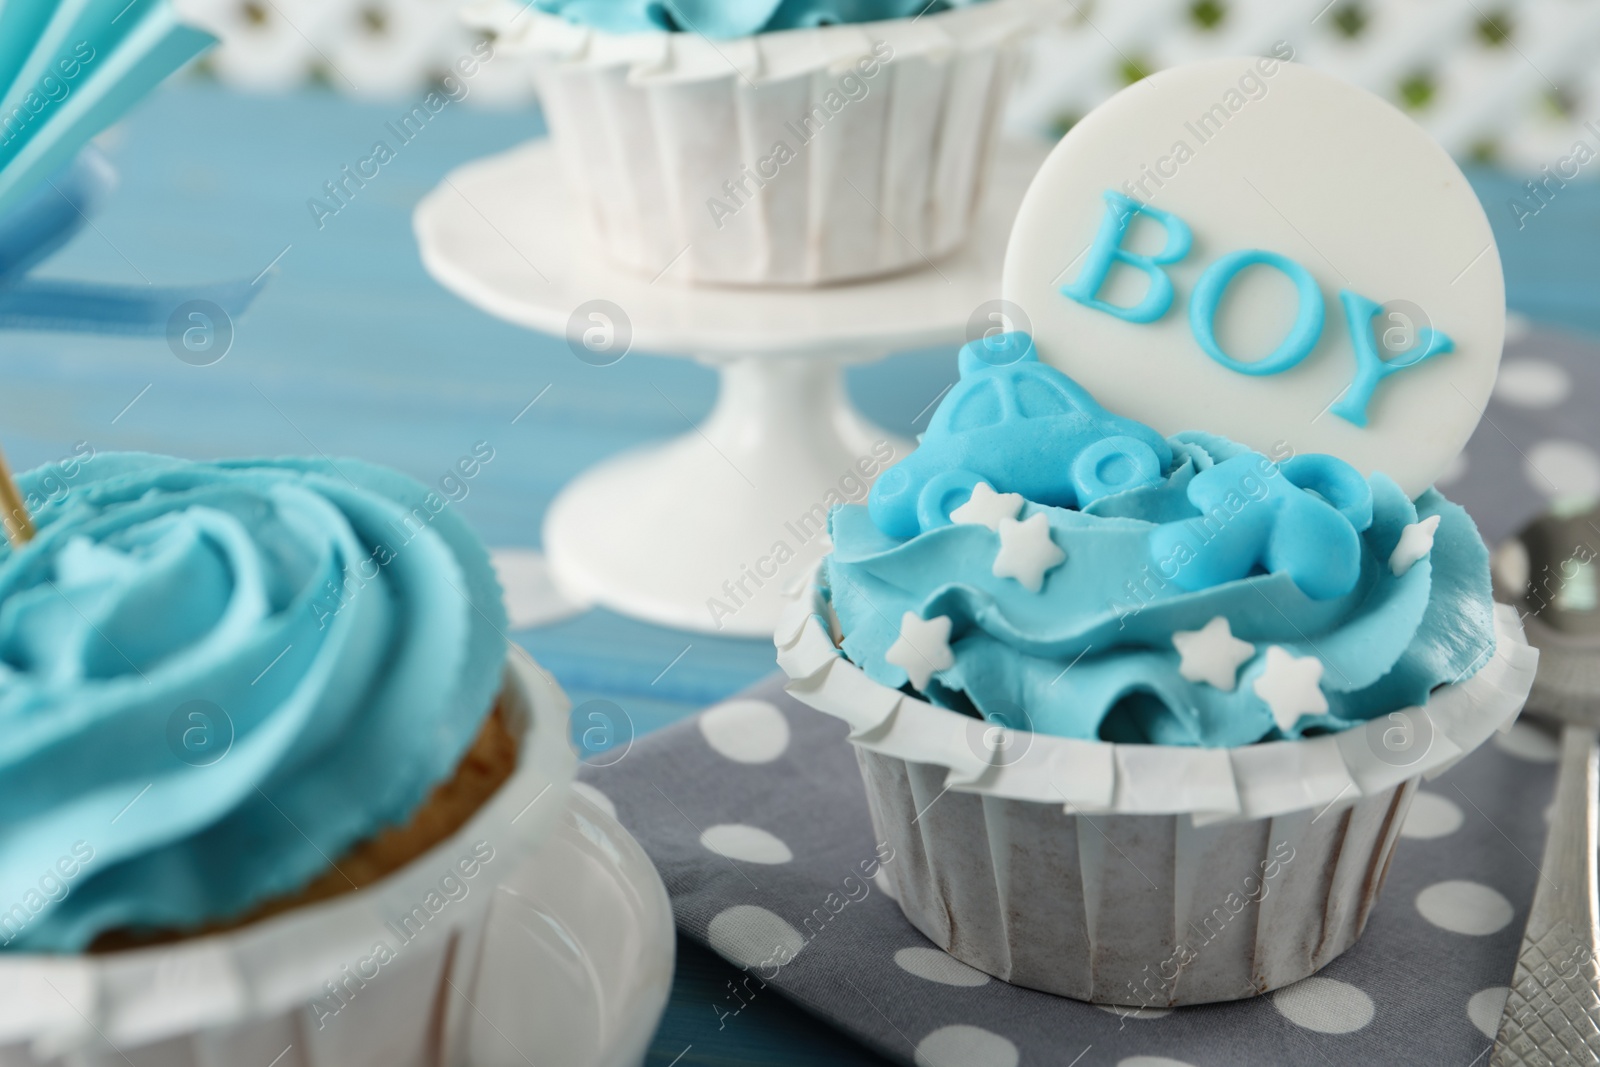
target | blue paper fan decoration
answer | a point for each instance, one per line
(70, 68)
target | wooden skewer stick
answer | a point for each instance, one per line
(13, 511)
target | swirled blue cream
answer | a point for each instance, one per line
(723, 19)
(1185, 591)
(216, 676)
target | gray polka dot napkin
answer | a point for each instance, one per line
(756, 817)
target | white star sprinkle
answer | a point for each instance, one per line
(922, 648)
(985, 507)
(1416, 541)
(1212, 654)
(1291, 686)
(1026, 551)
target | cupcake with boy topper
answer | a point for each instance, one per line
(1146, 647)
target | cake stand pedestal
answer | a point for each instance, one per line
(688, 533)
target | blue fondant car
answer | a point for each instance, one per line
(1022, 427)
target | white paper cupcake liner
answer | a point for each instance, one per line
(307, 988)
(656, 129)
(1141, 875)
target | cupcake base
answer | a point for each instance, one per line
(1140, 875)
(1142, 911)
(378, 977)
(794, 158)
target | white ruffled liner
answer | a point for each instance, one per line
(650, 126)
(1090, 869)
(250, 996)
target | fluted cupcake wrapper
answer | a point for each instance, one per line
(800, 157)
(1140, 875)
(308, 988)
(1136, 910)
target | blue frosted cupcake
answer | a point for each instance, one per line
(1055, 612)
(774, 142)
(267, 701)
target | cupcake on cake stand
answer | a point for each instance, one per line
(777, 206)
(757, 473)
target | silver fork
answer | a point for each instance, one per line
(1551, 573)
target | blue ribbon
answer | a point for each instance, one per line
(45, 220)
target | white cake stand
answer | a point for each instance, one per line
(662, 532)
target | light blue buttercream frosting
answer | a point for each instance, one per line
(724, 19)
(343, 620)
(1305, 567)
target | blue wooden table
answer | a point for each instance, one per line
(350, 349)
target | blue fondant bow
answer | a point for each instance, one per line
(42, 222)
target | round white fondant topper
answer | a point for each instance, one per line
(1254, 248)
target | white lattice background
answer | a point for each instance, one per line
(1512, 81)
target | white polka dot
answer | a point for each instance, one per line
(1532, 383)
(885, 886)
(749, 843)
(1325, 1005)
(1464, 908)
(1431, 815)
(746, 731)
(530, 594)
(1453, 471)
(1134, 1013)
(1563, 470)
(595, 797)
(753, 937)
(1485, 1007)
(938, 966)
(1151, 1061)
(1528, 742)
(965, 1046)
